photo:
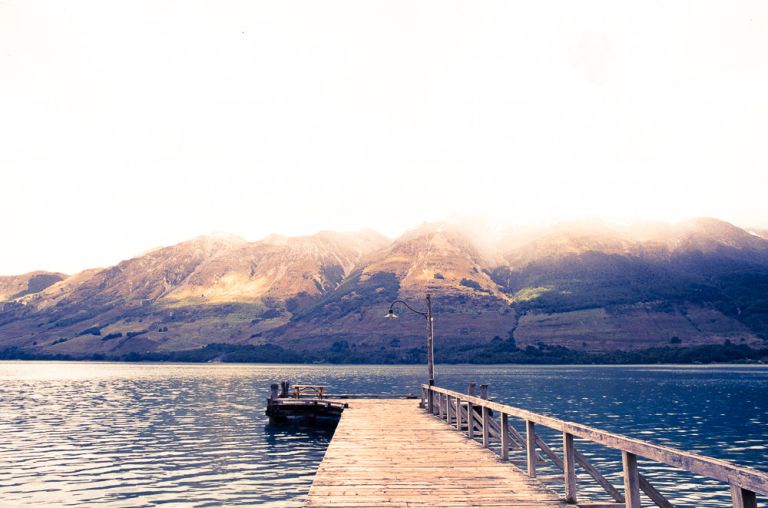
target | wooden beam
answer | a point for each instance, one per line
(743, 498)
(459, 418)
(486, 427)
(652, 493)
(631, 480)
(569, 473)
(530, 440)
(599, 478)
(505, 438)
(470, 421)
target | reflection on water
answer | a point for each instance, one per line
(127, 435)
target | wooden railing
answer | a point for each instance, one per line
(474, 415)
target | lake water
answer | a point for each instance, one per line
(147, 435)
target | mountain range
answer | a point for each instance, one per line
(585, 287)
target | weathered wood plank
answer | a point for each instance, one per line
(743, 498)
(569, 468)
(530, 439)
(631, 480)
(389, 453)
(650, 491)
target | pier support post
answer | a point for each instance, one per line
(459, 419)
(631, 479)
(569, 468)
(530, 446)
(486, 427)
(743, 498)
(505, 441)
(486, 417)
(470, 412)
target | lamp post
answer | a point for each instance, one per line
(430, 332)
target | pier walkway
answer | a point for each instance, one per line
(391, 453)
(463, 450)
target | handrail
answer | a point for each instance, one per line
(746, 478)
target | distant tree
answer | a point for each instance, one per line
(471, 284)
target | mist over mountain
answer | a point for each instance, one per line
(589, 287)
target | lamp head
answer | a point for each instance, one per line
(391, 314)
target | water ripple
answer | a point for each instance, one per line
(79, 434)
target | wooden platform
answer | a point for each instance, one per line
(391, 453)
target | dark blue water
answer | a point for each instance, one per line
(127, 435)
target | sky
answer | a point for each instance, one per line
(129, 125)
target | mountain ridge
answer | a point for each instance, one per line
(584, 286)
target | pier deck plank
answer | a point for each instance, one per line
(390, 453)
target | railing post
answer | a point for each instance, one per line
(486, 417)
(458, 414)
(530, 447)
(504, 436)
(470, 412)
(440, 405)
(486, 427)
(445, 406)
(569, 468)
(743, 498)
(448, 410)
(631, 479)
(430, 403)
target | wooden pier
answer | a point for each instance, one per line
(458, 449)
(391, 453)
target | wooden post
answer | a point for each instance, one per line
(445, 407)
(530, 446)
(285, 389)
(505, 436)
(440, 405)
(448, 410)
(470, 412)
(743, 498)
(486, 416)
(486, 427)
(458, 414)
(569, 468)
(273, 391)
(631, 480)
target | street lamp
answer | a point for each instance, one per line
(430, 332)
